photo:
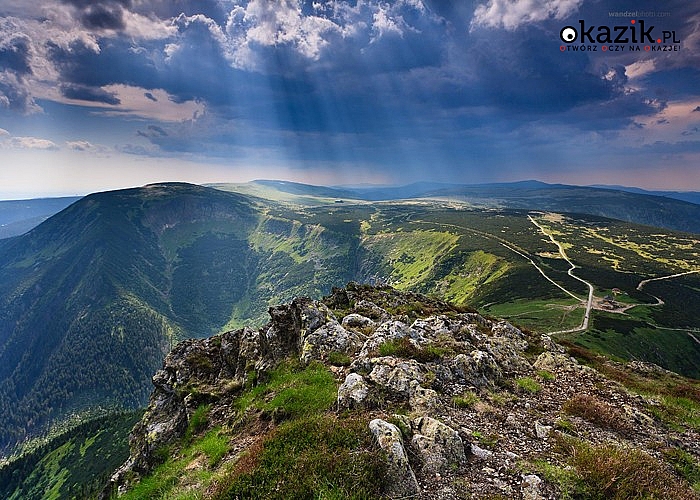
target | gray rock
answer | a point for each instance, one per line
(390, 330)
(431, 328)
(542, 431)
(401, 481)
(554, 361)
(355, 320)
(330, 337)
(396, 374)
(479, 452)
(508, 354)
(478, 369)
(438, 445)
(352, 392)
(505, 329)
(421, 399)
(530, 487)
(371, 310)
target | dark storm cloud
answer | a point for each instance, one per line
(93, 94)
(80, 64)
(15, 55)
(677, 83)
(103, 16)
(15, 67)
(84, 4)
(168, 9)
(362, 81)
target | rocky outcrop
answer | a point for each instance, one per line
(456, 401)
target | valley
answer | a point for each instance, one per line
(92, 299)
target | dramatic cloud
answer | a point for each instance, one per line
(403, 89)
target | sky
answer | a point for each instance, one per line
(105, 94)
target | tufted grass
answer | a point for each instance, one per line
(317, 456)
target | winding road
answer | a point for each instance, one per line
(644, 282)
(570, 272)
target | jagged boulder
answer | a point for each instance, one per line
(401, 481)
(438, 445)
(447, 371)
(354, 320)
(396, 375)
(478, 368)
(352, 392)
(329, 338)
(386, 332)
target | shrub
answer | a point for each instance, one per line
(617, 473)
(403, 348)
(597, 412)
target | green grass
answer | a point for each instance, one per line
(686, 465)
(546, 315)
(411, 255)
(466, 400)
(214, 446)
(311, 457)
(629, 338)
(679, 412)
(293, 390)
(528, 384)
(339, 359)
(566, 480)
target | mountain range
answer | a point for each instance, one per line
(92, 299)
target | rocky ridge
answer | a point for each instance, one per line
(461, 406)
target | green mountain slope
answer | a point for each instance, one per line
(90, 303)
(74, 464)
(91, 300)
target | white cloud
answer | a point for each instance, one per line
(33, 143)
(510, 14)
(134, 102)
(640, 68)
(267, 24)
(87, 147)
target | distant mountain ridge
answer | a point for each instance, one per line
(19, 216)
(659, 209)
(689, 196)
(668, 209)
